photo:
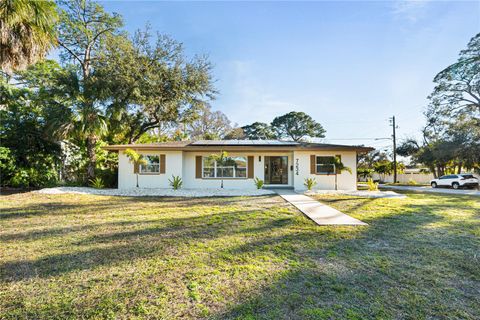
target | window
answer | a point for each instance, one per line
(230, 167)
(152, 165)
(325, 165)
(450, 176)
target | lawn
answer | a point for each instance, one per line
(81, 256)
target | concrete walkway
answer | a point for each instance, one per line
(470, 192)
(321, 214)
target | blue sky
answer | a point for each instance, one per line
(350, 65)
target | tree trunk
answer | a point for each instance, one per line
(435, 175)
(92, 157)
(459, 168)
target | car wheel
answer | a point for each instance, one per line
(433, 184)
(455, 185)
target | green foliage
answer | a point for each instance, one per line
(7, 165)
(221, 158)
(297, 126)
(97, 183)
(310, 183)
(134, 157)
(451, 137)
(152, 85)
(176, 182)
(42, 176)
(259, 131)
(412, 182)
(27, 32)
(372, 186)
(340, 167)
(364, 172)
(24, 132)
(457, 90)
(258, 182)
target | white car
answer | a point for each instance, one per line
(455, 181)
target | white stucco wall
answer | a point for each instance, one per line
(182, 164)
(345, 180)
(127, 178)
(190, 181)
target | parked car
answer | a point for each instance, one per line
(455, 181)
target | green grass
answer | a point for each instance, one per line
(80, 256)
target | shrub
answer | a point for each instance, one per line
(34, 178)
(108, 176)
(372, 186)
(412, 182)
(176, 182)
(258, 183)
(310, 183)
(7, 165)
(97, 183)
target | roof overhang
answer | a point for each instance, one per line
(214, 147)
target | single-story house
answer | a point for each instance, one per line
(278, 163)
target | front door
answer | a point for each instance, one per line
(276, 170)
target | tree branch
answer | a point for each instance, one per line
(71, 52)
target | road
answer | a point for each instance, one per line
(471, 192)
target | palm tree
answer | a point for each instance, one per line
(339, 167)
(220, 159)
(27, 32)
(136, 159)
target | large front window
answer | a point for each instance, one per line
(230, 167)
(152, 165)
(325, 165)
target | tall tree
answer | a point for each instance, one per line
(83, 30)
(259, 131)
(236, 133)
(209, 125)
(457, 90)
(151, 84)
(297, 126)
(25, 137)
(27, 32)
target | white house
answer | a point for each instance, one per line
(278, 163)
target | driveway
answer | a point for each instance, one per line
(471, 192)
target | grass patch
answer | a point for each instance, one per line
(83, 256)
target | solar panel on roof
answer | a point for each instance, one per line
(243, 143)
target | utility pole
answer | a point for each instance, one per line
(394, 138)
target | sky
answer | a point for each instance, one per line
(350, 65)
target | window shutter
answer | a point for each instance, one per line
(339, 158)
(250, 167)
(313, 165)
(135, 168)
(198, 167)
(162, 163)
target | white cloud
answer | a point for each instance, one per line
(409, 10)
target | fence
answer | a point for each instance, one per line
(420, 178)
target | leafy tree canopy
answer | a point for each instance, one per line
(149, 82)
(457, 89)
(259, 131)
(297, 126)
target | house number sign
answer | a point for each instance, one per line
(297, 167)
